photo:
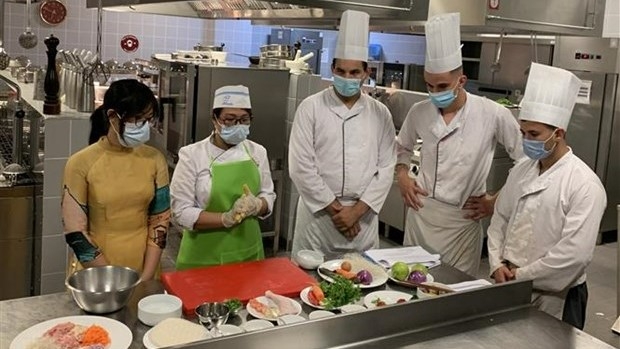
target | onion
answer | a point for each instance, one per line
(417, 277)
(364, 277)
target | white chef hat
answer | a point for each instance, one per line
(237, 96)
(443, 43)
(352, 40)
(550, 95)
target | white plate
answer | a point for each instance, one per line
(120, 335)
(377, 280)
(429, 278)
(255, 325)
(257, 314)
(304, 298)
(389, 297)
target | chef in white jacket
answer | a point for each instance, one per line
(548, 213)
(342, 154)
(459, 132)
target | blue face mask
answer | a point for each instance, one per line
(134, 135)
(443, 99)
(536, 149)
(234, 134)
(347, 87)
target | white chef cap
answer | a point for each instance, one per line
(443, 43)
(237, 96)
(550, 95)
(352, 40)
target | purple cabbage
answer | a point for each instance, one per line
(364, 277)
(417, 277)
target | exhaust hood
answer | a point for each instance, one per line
(317, 12)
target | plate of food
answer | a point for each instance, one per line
(382, 298)
(271, 306)
(73, 332)
(331, 295)
(359, 271)
(174, 331)
(409, 275)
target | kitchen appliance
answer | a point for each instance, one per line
(244, 281)
(594, 129)
(308, 40)
(395, 75)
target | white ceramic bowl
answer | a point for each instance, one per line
(352, 308)
(290, 319)
(256, 325)
(157, 307)
(319, 314)
(309, 259)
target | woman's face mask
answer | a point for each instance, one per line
(134, 135)
(234, 134)
(536, 149)
(444, 99)
(347, 87)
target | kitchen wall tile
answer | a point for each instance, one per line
(57, 143)
(54, 170)
(80, 130)
(53, 283)
(53, 254)
(52, 216)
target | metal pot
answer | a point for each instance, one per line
(275, 47)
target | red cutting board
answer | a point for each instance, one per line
(244, 281)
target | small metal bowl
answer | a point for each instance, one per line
(102, 290)
(211, 315)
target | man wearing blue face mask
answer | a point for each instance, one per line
(342, 154)
(547, 216)
(459, 132)
(221, 186)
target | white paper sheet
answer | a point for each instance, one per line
(410, 255)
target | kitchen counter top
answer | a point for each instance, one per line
(519, 326)
(27, 94)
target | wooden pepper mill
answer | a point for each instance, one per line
(51, 85)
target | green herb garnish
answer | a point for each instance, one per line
(339, 293)
(233, 304)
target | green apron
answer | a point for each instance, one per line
(242, 242)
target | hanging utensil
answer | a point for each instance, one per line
(533, 52)
(100, 71)
(496, 66)
(28, 39)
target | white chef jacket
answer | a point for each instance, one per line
(190, 187)
(337, 152)
(547, 224)
(456, 158)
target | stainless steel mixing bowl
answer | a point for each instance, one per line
(102, 290)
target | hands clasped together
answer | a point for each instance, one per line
(346, 218)
(247, 205)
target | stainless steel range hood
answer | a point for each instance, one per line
(319, 12)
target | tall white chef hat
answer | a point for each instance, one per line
(237, 96)
(352, 40)
(550, 95)
(443, 43)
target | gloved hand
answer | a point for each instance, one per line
(250, 204)
(233, 216)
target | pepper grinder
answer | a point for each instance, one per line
(51, 105)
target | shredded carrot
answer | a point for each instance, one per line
(95, 335)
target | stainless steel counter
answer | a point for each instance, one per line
(476, 319)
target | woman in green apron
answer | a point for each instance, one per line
(221, 186)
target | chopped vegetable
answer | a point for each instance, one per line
(364, 277)
(346, 274)
(339, 293)
(95, 335)
(233, 304)
(379, 302)
(318, 294)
